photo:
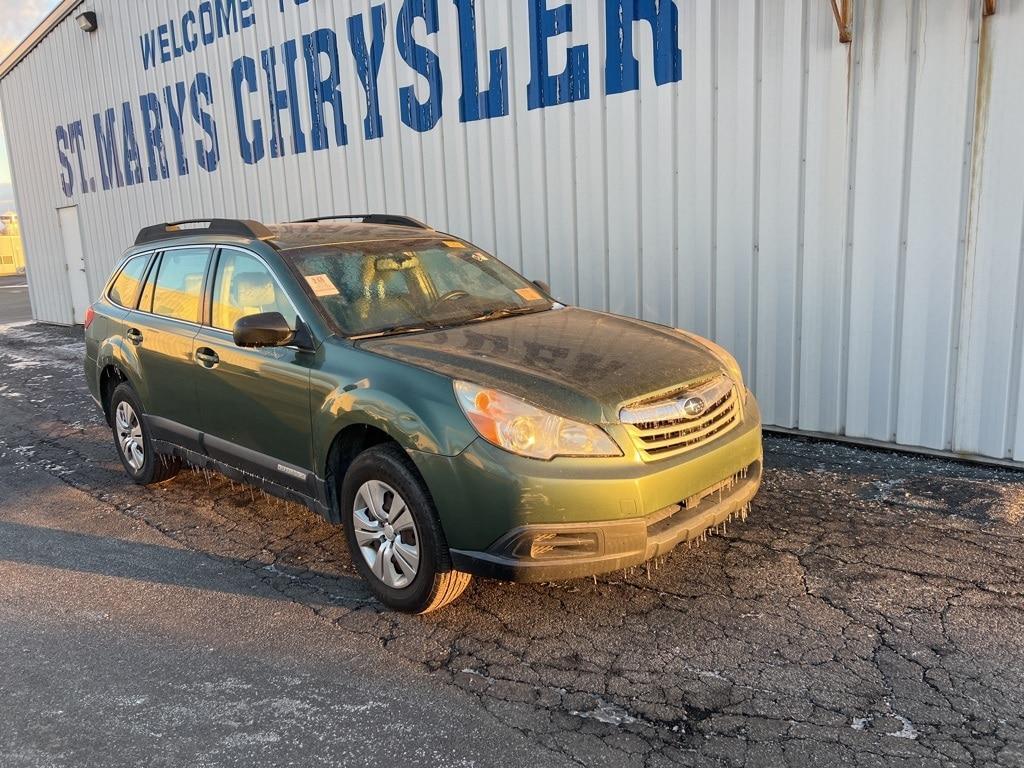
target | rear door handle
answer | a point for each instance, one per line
(134, 335)
(207, 357)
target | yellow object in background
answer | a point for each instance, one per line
(12, 255)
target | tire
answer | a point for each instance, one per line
(388, 514)
(142, 463)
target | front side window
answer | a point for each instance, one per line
(244, 286)
(177, 291)
(125, 289)
(387, 287)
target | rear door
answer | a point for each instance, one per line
(254, 402)
(162, 330)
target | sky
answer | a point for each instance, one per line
(17, 19)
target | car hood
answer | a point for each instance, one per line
(574, 362)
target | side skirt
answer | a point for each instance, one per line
(203, 461)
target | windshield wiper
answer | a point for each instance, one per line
(507, 312)
(393, 330)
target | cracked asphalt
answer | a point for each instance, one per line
(869, 612)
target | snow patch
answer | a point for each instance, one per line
(906, 731)
(606, 713)
(248, 739)
(19, 324)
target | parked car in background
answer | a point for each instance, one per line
(449, 413)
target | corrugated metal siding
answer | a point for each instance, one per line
(847, 219)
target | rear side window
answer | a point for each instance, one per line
(177, 291)
(125, 289)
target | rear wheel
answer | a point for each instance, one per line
(134, 444)
(393, 533)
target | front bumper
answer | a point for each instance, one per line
(518, 519)
(552, 552)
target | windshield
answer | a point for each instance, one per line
(381, 287)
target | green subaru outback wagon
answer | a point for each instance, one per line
(451, 415)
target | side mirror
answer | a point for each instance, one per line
(267, 329)
(544, 287)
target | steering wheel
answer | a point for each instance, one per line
(458, 293)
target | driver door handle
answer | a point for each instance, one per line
(207, 358)
(134, 335)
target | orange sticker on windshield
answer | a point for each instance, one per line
(454, 244)
(528, 293)
(322, 285)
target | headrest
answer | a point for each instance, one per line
(254, 289)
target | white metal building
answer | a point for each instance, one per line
(847, 218)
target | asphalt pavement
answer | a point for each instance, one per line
(14, 306)
(870, 611)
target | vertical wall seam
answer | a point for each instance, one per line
(604, 192)
(285, 187)
(490, 165)
(713, 292)
(446, 187)
(467, 176)
(574, 208)
(58, 272)
(517, 181)
(638, 146)
(399, 144)
(969, 183)
(545, 193)
(1010, 428)
(384, 186)
(494, 185)
(853, 78)
(674, 291)
(916, 39)
(801, 219)
(755, 226)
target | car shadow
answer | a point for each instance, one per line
(178, 567)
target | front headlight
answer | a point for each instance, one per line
(723, 356)
(518, 427)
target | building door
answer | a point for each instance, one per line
(74, 259)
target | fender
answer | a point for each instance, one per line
(416, 408)
(117, 351)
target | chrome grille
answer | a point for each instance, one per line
(665, 427)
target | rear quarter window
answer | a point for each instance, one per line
(125, 290)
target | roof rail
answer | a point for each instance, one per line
(372, 218)
(191, 227)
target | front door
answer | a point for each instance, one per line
(162, 331)
(74, 261)
(254, 403)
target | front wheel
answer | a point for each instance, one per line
(393, 533)
(134, 444)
